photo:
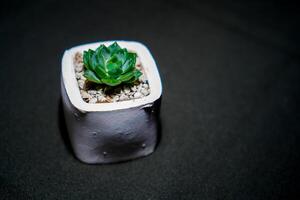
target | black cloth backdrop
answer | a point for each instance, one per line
(230, 109)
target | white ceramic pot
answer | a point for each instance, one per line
(111, 132)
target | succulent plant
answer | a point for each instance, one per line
(110, 65)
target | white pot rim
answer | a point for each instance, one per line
(149, 65)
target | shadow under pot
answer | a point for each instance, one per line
(113, 131)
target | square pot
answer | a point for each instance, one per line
(111, 132)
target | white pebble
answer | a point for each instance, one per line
(116, 98)
(123, 97)
(144, 91)
(126, 90)
(93, 100)
(81, 83)
(100, 92)
(139, 87)
(78, 75)
(85, 95)
(145, 86)
(137, 95)
(99, 97)
(134, 88)
(79, 67)
(92, 92)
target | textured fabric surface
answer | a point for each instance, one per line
(230, 109)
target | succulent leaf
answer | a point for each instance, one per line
(91, 76)
(137, 74)
(110, 65)
(126, 77)
(87, 55)
(111, 82)
(114, 48)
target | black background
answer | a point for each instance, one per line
(230, 109)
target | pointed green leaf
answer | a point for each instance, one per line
(87, 57)
(126, 77)
(114, 67)
(104, 52)
(111, 82)
(137, 74)
(132, 80)
(129, 64)
(91, 76)
(101, 73)
(121, 55)
(94, 62)
(113, 48)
